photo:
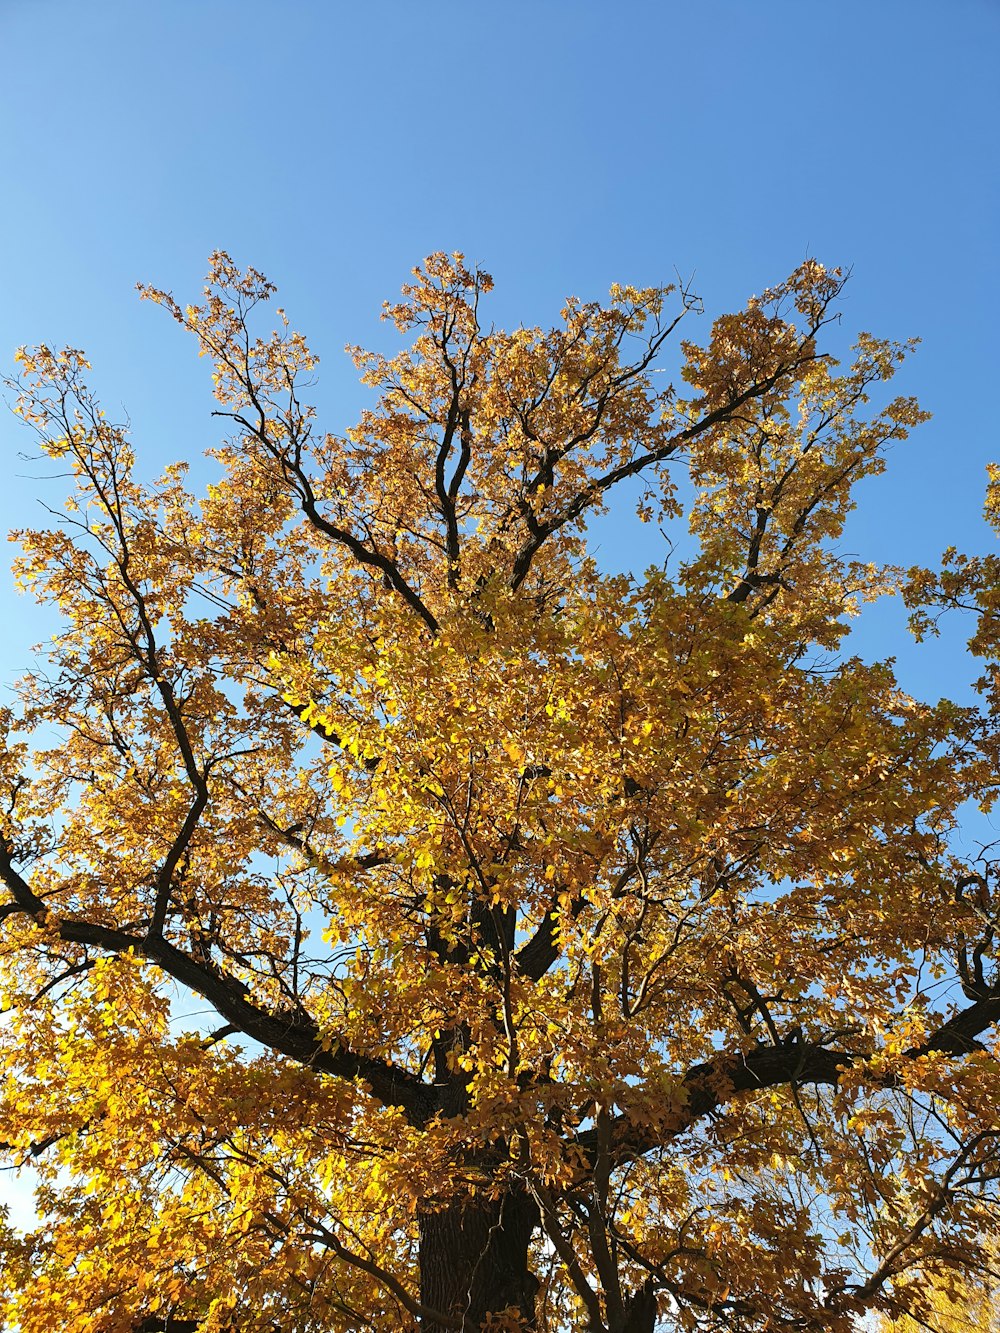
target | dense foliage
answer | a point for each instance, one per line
(585, 951)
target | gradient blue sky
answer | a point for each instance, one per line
(563, 145)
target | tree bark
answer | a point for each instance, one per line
(640, 1310)
(152, 1324)
(474, 1260)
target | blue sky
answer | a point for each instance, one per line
(562, 144)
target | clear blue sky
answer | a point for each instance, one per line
(563, 144)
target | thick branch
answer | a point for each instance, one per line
(165, 878)
(295, 1036)
(535, 957)
(708, 1086)
(325, 732)
(387, 1280)
(958, 1035)
(154, 1324)
(365, 555)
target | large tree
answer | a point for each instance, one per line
(409, 923)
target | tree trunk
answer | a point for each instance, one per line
(640, 1310)
(474, 1260)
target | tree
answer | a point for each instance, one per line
(583, 951)
(951, 1303)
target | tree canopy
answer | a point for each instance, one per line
(579, 950)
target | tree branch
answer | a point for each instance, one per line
(708, 1086)
(591, 493)
(295, 1036)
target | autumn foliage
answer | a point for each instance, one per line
(408, 923)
